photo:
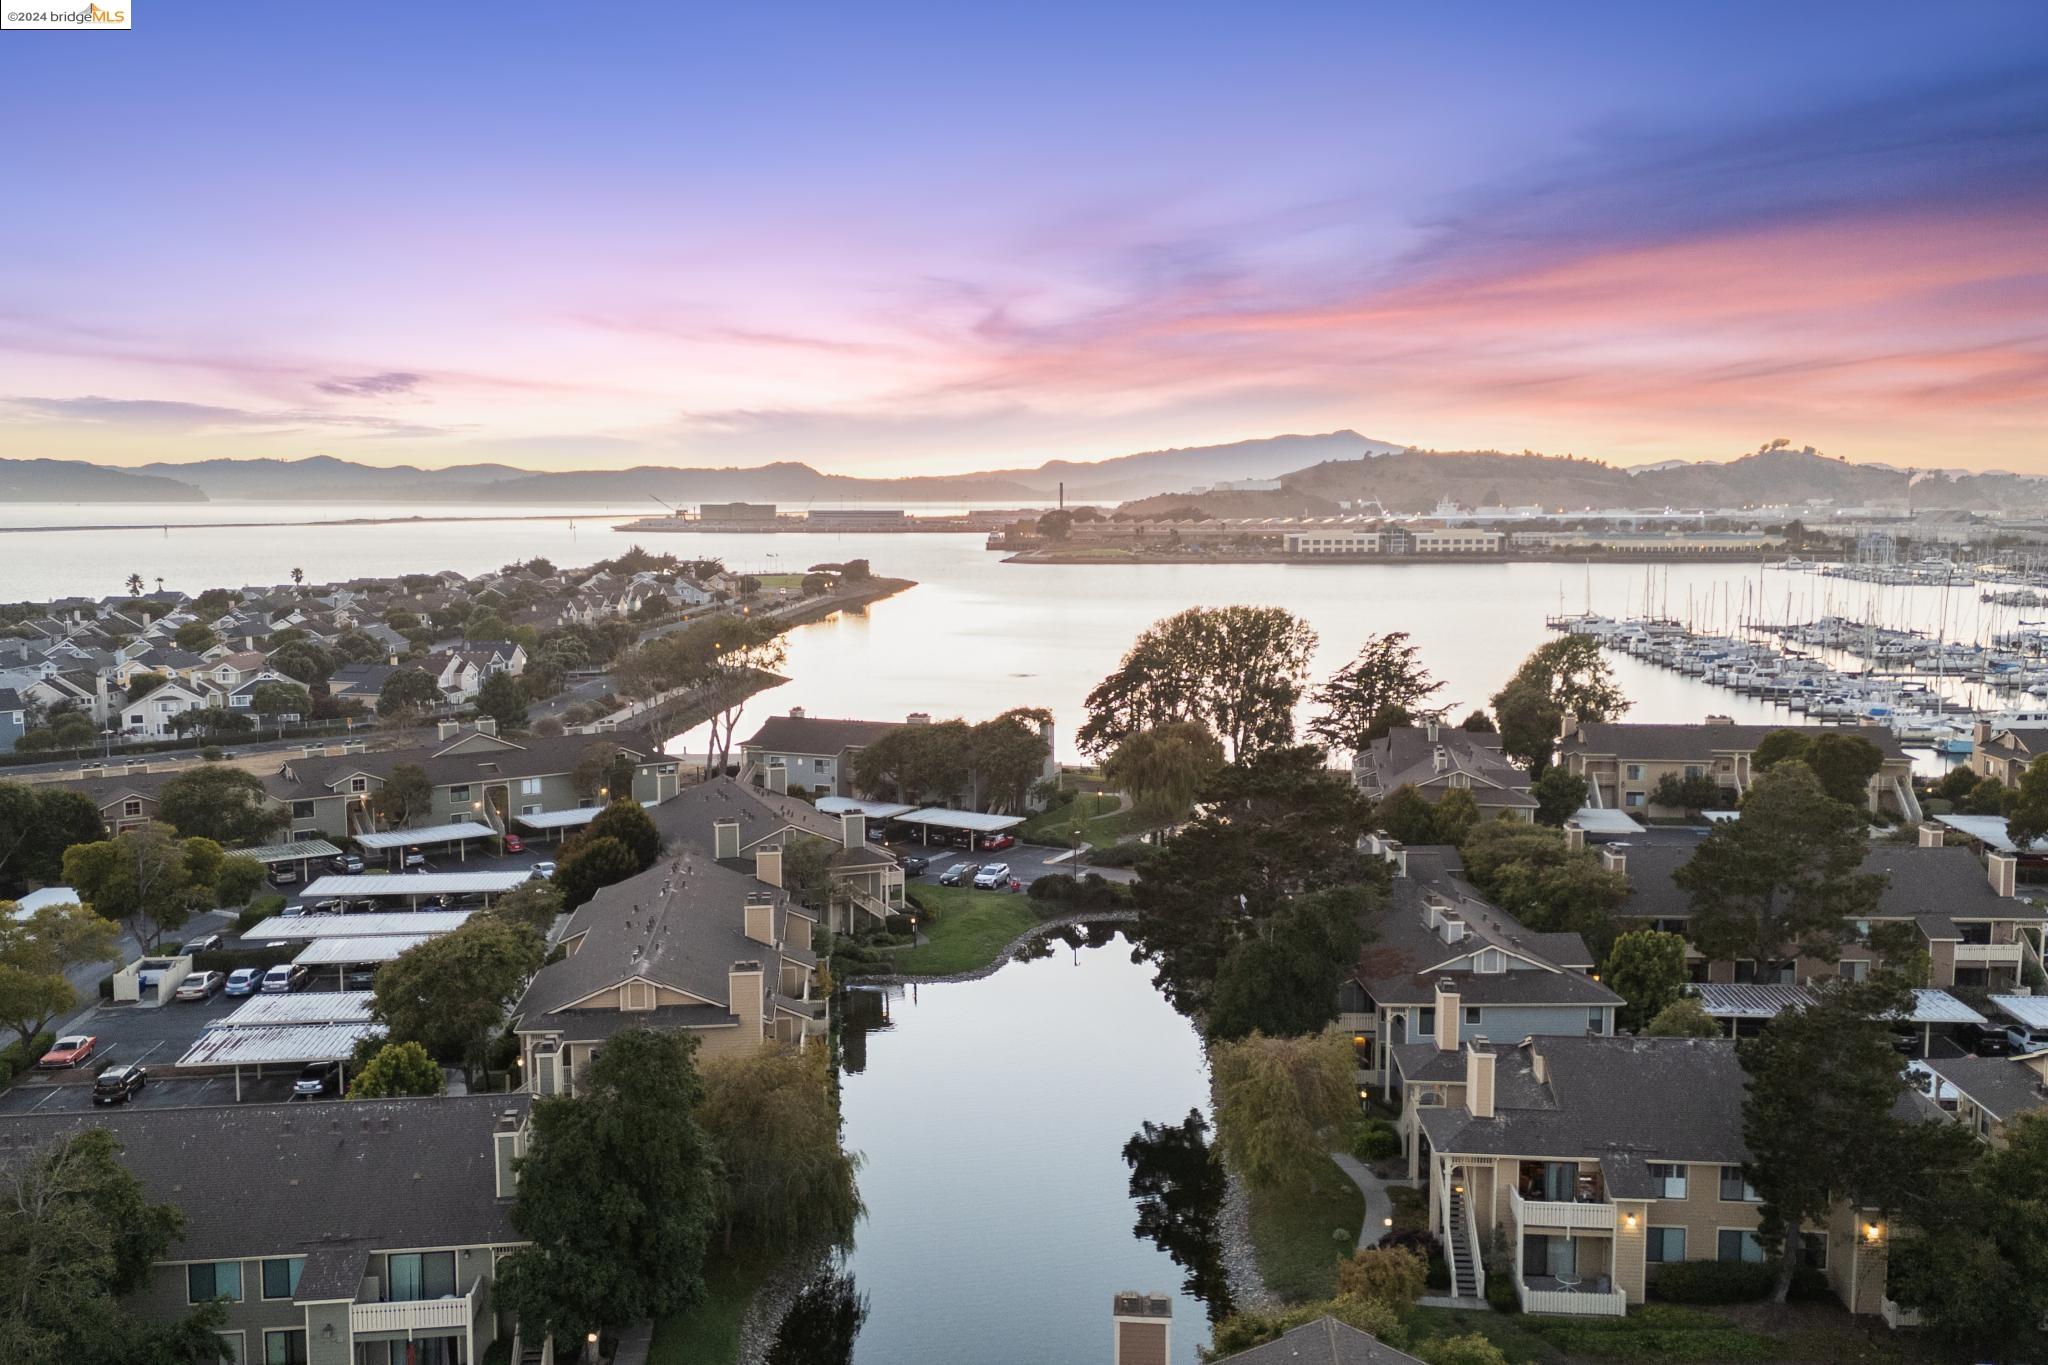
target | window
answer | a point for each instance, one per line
(230, 1348)
(1669, 1179)
(1472, 1014)
(1425, 1021)
(820, 764)
(131, 808)
(1596, 1021)
(529, 786)
(423, 1274)
(1633, 800)
(1664, 1244)
(359, 784)
(1635, 772)
(1813, 1250)
(1855, 969)
(533, 809)
(460, 793)
(1739, 1244)
(210, 1280)
(285, 1348)
(281, 1276)
(302, 810)
(1735, 1189)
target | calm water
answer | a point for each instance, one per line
(993, 1117)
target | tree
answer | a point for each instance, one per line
(2028, 818)
(1394, 1275)
(1362, 698)
(221, 803)
(924, 763)
(1162, 769)
(1471, 1348)
(1277, 1102)
(1988, 797)
(36, 825)
(1956, 784)
(1646, 968)
(1560, 794)
(278, 700)
(141, 685)
(237, 881)
(1271, 829)
(534, 904)
(135, 585)
(501, 699)
(1478, 723)
(1529, 871)
(214, 603)
(1784, 875)
(407, 794)
(625, 821)
(605, 770)
(142, 877)
(1406, 814)
(1564, 677)
(771, 1119)
(1007, 757)
(1056, 524)
(450, 993)
(1282, 980)
(589, 866)
(1843, 762)
(1818, 1115)
(62, 730)
(1457, 811)
(30, 1000)
(397, 1069)
(304, 661)
(1238, 670)
(196, 637)
(1695, 793)
(807, 869)
(1683, 1018)
(407, 692)
(617, 1194)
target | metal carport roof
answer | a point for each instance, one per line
(2031, 1010)
(1603, 820)
(560, 819)
(978, 822)
(414, 884)
(287, 853)
(874, 810)
(375, 924)
(301, 1007)
(278, 1044)
(432, 834)
(351, 952)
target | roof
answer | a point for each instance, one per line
(1325, 1341)
(416, 884)
(1701, 741)
(2031, 1010)
(560, 819)
(980, 822)
(371, 925)
(275, 1179)
(1918, 880)
(1939, 1007)
(1677, 1099)
(351, 952)
(1754, 1001)
(433, 834)
(301, 1007)
(818, 735)
(874, 810)
(1408, 756)
(1989, 830)
(279, 1043)
(1604, 820)
(692, 814)
(2005, 1086)
(288, 853)
(47, 896)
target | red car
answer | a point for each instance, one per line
(70, 1050)
(996, 842)
(514, 844)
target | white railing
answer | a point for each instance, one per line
(1895, 1316)
(411, 1315)
(1989, 952)
(1610, 1303)
(1545, 1213)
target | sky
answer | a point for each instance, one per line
(902, 239)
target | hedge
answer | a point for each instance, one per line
(1713, 1281)
(1375, 1140)
(1092, 892)
(16, 1058)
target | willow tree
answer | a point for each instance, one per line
(1163, 769)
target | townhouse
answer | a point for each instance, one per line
(1624, 763)
(1435, 759)
(1445, 963)
(366, 1233)
(1992, 1092)
(2004, 753)
(687, 945)
(13, 718)
(814, 752)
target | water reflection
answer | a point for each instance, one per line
(862, 1010)
(822, 1322)
(1179, 1185)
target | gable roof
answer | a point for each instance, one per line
(1325, 1341)
(2005, 1087)
(1921, 883)
(1699, 743)
(691, 814)
(818, 735)
(1407, 757)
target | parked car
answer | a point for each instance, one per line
(118, 1084)
(993, 876)
(284, 978)
(284, 874)
(1984, 1040)
(245, 981)
(916, 865)
(514, 844)
(415, 858)
(362, 906)
(347, 863)
(335, 906)
(359, 979)
(2023, 1039)
(73, 1049)
(952, 876)
(318, 1078)
(200, 986)
(996, 842)
(205, 943)
(543, 869)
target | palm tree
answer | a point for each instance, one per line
(159, 582)
(299, 578)
(135, 585)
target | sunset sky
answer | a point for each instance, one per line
(888, 238)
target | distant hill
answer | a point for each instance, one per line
(781, 483)
(1165, 471)
(76, 481)
(322, 478)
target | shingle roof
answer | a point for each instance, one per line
(1325, 1341)
(691, 813)
(1407, 756)
(820, 735)
(1946, 881)
(2004, 1086)
(1696, 743)
(276, 1179)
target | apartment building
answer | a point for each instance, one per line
(1444, 963)
(13, 718)
(1436, 759)
(366, 1233)
(688, 944)
(1623, 763)
(815, 753)
(1993, 1092)
(2005, 753)
(1332, 542)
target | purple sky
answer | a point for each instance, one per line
(907, 239)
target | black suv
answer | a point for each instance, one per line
(916, 866)
(1985, 1042)
(118, 1084)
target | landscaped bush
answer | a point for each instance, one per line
(898, 924)
(1655, 1332)
(1713, 1281)
(1091, 892)
(1124, 853)
(1375, 1140)
(1500, 1291)
(16, 1059)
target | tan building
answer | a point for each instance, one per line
(2005, 754)
(1993, 1092)
(1624, 763)
(1436, 759)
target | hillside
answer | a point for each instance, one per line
(76, 481)
(322, 477)
(1165, 471)
(783, 483)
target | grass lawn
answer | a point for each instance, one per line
(709, 1333)
(966, 929)
(1300, 1236)
(1662, 1332)
(1101, 822)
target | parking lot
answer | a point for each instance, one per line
(71, 1091)
(1028, 862)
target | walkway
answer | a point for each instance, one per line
(634, 1342)
(1379, 1205)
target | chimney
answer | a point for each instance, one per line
(853, 829)
(1396, 856)
(796, 713)
(448, 729)
(778, 778)
(1479, 1083)
(768, 865)
(1980, 734)
(1931, 836)
(2003, 869)
(1432, 727)
(749, 1000)
(1448, 1016)
(918, 718)
(1614, 861)
(1538, 1068)
(487, 725)
(1720, 720)
(1574, 836)
(761, 917)
(725, 838)
(1568, 725)
(1144, 1329)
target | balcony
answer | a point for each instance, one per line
(1544, 1213)
(434, 1316)
(1988, 954)
(1593, 1299)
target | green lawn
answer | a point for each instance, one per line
(709, 1333)
(1300, 1236)
(1656, 1332)
(1101, 823)
(965, 928)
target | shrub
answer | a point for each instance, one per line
(1057, 887)
(15, 1058)
(107, 986)
(1394, 1275)
(1500, 1291)
(1713, 1281)
(212, 753)
(1375, 1140)
(898, 924)
(1470, 1349)
(1439, 1273)
(1124, 853)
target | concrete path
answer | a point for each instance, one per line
(634, 1342)
(1379, 1205)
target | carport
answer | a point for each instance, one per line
(231, 1049)
(395, 841)
(344, 953)
(1603, 822)
(1755, 1005)
(411, 887)
(557, 823)
(375, 924)
(971, 822)
(284, 855)
(300, 1007)
(874, 810)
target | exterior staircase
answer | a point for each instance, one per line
(1458, 1246)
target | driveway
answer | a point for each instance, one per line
(162, 1091)
(1028, 862)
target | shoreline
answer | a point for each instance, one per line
(415, 519)
(1371, 561)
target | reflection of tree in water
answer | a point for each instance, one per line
(1178, 1183)
(1046, 944)
(821, 1323)
(861, 1012)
